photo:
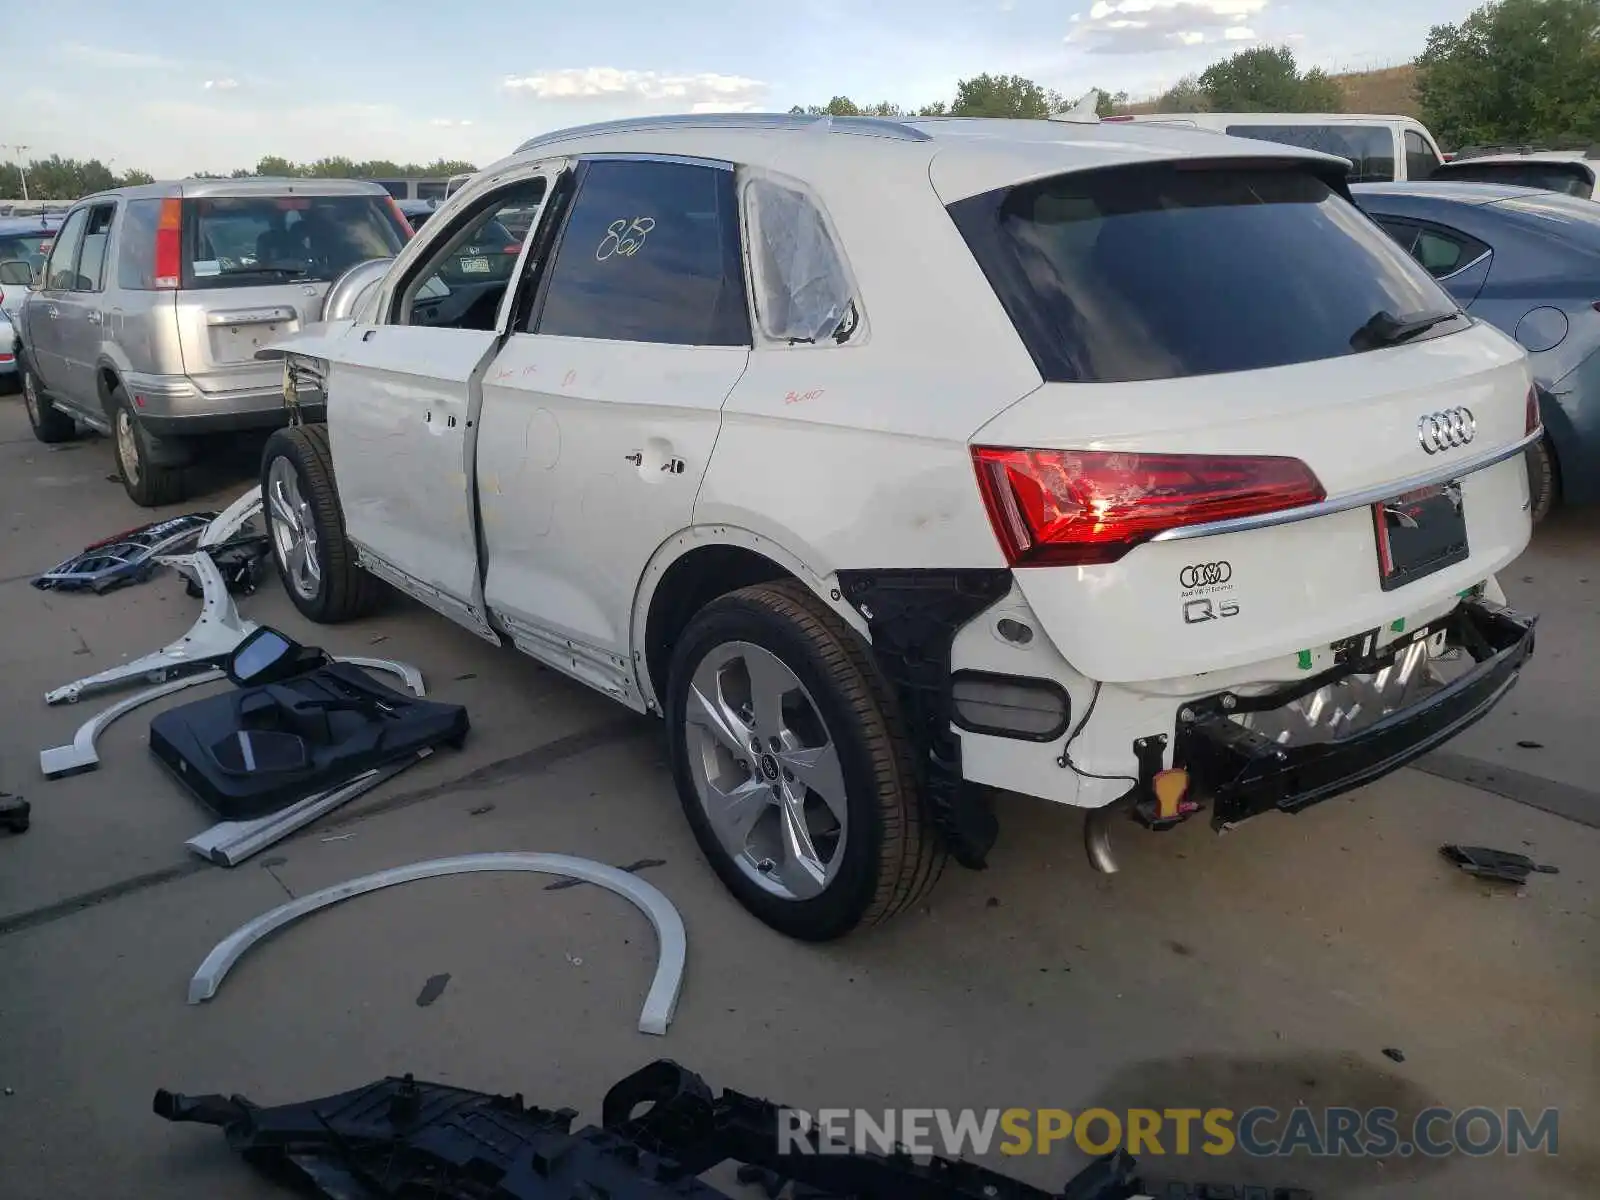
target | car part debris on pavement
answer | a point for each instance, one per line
(659, 1004)
(128, 557)
(14, 813)
(1503, 865)
(400, 1137)
(299, 723)
(212, 637)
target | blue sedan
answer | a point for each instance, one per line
(1527, 262)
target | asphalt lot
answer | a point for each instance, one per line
(1271, 966)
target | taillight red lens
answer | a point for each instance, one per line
(1082, 507)
(169, 245)
(1534, 422)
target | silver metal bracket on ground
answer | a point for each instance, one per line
(230, 520)
(231, 842)
(214, 635)
(659, 1004)
(81, 755)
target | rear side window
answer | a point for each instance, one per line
(92, 260)
(1421, 161)
(430, 190)
(1154, 272)
(650, 254)
(248, 241)
(1572, 178)
(136, 245)
(1370, 148)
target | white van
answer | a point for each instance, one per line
(1381, 149)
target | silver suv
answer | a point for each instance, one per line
(145, 320)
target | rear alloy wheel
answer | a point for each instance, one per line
(50, 424)
(1544, 480)
(788, 761)
(148, 482)
(301, 501)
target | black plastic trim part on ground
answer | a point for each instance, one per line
(1247, 774)
(914, 616)
(403, 1138)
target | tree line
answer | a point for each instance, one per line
(57, 178)
(1514, 71)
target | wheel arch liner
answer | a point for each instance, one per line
(660, 1002)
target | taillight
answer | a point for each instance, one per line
(1533, 422)
(512, 250)
(394, 207)
(169, 245)
(1082, 507)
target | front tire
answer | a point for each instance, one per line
(148, 482)
(50, 424)
(789, 762)
(1544, 480)
(313, 554)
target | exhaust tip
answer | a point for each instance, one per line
(1097, 839)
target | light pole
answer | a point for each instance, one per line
(22, 171)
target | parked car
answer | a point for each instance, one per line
(1006, 474)
(416, 211)
(1379, 148)
(1568, 171)
(1528, 262)
(24, 243)
(146, 317)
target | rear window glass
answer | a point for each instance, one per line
(1370, 148)
(1571, 178)
(1156, 273)
(236, 241)
(489, 257)
(31, 248)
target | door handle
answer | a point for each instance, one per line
(636, 458)
(92, 317)
(54, 312)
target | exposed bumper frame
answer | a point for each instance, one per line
(1245, 773)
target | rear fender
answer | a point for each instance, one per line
(696, 537)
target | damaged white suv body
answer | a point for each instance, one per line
(902, 464)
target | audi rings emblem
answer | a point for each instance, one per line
(1205, 574)
(1447, 430)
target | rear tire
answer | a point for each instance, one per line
(1544, 479)
(50, 424)
(149, 483)
(771, 665)
(300, 504)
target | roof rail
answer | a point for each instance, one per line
(883, 127)
(1574, 145)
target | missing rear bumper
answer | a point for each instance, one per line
(1295, 747)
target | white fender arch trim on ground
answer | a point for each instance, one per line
(671, 939)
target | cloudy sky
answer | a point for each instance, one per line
(174, 86)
